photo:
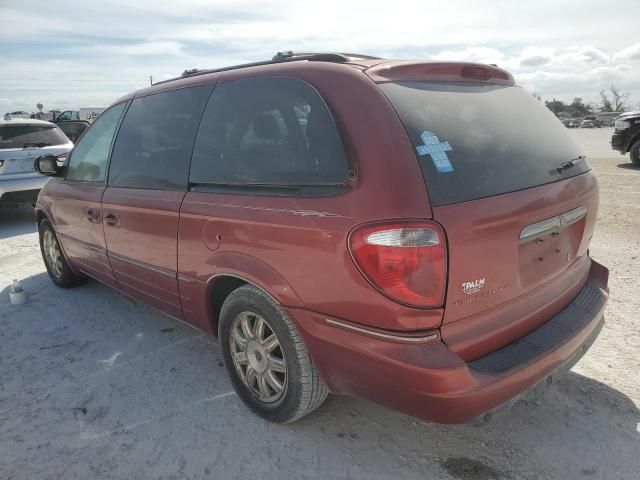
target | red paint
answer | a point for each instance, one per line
(170, 249)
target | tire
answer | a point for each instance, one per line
(634, 152)
(302, 389)
(58, 270)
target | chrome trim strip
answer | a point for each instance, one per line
(386, 336)
(186, 279)
(553, 224)
(146, 266)
(80, 243)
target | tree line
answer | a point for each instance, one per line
(614, 100)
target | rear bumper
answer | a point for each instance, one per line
(13, 185)
(429, 381)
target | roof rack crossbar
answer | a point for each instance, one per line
(280, 57)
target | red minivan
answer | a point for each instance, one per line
(415, 233)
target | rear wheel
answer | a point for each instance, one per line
(54, 260)
(268, 362)
(634, 152)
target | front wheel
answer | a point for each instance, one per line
(54, 260)
(269, 364)
(634, 152)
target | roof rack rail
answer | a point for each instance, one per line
(279, 57)
(346, 56)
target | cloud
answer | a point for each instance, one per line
(165, 47)
(630, 53)
(535, 56)
(473, 54)
(589, 55)
(108, 48)
(566, 85)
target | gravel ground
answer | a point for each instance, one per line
(95, 385)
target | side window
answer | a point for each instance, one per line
(273, 131)
(88, 161)
(155, 140)
(66, 115)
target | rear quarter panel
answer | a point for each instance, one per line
(296, 248)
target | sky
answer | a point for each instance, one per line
(68, 54)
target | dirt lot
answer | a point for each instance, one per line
(95, 385)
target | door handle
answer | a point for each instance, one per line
(110, 219)
(92, 215)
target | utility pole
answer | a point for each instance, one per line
(150, 79)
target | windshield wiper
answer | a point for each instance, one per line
(567, 165)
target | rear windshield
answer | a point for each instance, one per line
(25, 136)
(476, 141)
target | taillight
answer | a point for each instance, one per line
(405, 261)
(481, 73)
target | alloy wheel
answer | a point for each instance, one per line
(258, 356)
(52, 253)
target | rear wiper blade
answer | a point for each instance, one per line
(567, 165)
(36, 144)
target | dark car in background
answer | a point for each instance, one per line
(570, 123)
(626, 136)
(340, 226)
(73, 129)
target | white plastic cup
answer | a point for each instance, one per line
(17, 295)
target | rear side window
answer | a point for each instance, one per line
(268, 132)
(475, 141)
(155, 140)
(88, 161)
(25, 136)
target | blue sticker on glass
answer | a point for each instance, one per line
(438, 151)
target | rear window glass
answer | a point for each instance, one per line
(268, 131)
(476, 141)
(25, 136)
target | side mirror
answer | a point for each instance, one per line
(47, 165)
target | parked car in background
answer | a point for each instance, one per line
(570, 123)
(626, 136)
(74, 122)
(87, 114)
(588, 123)
(73, 128)
(330, 218)
(597, 122)
(606, 119)
(19, 114)
(21, 142)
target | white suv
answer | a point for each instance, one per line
(22, 140)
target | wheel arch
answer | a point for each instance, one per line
(41, 214)
(235, 270)
(633, 140)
